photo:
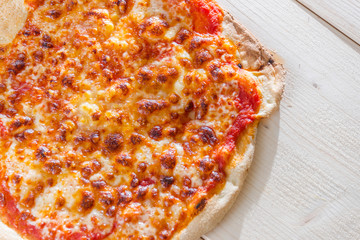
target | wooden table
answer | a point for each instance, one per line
(305, 179)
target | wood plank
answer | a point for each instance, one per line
(304, 180)
(303, 183)
(342, 14)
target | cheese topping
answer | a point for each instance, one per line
(111, 112)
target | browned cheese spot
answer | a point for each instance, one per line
(125, 197)
(54, 13)
(206, 164)
(99, 184)
(202, 56)
(153, 26)
(53, 166)
(125, 160)
(113, 141)
(87, 200)
(156, 133)
(147, 106)
(207, 135)
(168, 159)
(107, 198)
(167, 181)
(136, 138)
(42, 153)
(201, 205)
(144, 74)
(182, 35)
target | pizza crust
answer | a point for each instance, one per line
(7, 233)
(254, 57)
(271, 77)
(221, 203)
(13, 15)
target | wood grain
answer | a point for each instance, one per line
(304, 182)
(342, 14)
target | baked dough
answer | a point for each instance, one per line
(12, 18)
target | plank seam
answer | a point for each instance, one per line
(327, 22)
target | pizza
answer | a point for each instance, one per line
(127, 119)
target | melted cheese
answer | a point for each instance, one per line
(126, 105)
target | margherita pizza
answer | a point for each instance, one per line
(128, 119)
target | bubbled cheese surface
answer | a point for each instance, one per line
(110, 112)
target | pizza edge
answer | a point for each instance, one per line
(272, 89)
(13, 15)
(17, 14)
(8, 233)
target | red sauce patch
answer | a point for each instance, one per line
(34, 3)
(146, 182)
(207, 16)
(89, 235)
(247, 103)
(8, 207)
(14, 216)
(3, 130)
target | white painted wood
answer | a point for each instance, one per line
(305, 179)
(304, 182)
(342, 14)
